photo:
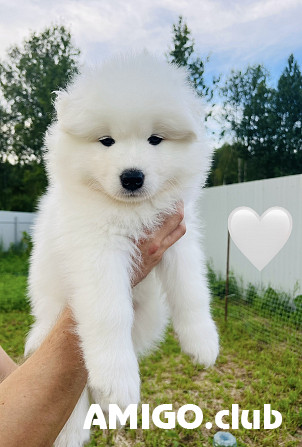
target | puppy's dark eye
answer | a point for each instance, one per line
(107, 141)
(155, 140)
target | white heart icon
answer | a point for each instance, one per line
(260, 238)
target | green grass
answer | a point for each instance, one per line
(249, 372)
(14, 327)
(13, 278)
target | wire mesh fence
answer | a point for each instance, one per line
(269, 315)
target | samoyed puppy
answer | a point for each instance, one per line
(128, 144)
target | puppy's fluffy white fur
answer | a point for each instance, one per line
(84, 240)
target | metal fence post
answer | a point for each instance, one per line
(227, 280)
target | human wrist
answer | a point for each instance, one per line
(7, 365)
(64, 341)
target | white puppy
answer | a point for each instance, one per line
(127, 145)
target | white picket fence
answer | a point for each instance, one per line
(284, 272)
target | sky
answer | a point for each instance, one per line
(234, 33)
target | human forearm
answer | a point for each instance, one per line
(40, 395)
(37, 398)
(7, 365)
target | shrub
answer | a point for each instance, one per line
(250, 294)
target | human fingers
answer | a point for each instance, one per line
(153, 247)
(174, 236)
(170, 223)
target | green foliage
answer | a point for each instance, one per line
(276, 303)
(216, 283)
(183, 54)
(224, 168)
(21, 185)
(283, 310)
(28, 77)
(266, 122)
(4, 120)
(27, 243)
(251, 294)
(298, 302)
(288, 106)
(249, 105)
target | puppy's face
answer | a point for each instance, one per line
(136, 161)
(130, 130)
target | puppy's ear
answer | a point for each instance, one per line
(61, 103)
(68, 111)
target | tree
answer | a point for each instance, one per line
(183, 54)
(28, 77)
(267, 122)
(4, 120)
(44, 63)
(289, 118)
(250, 111)
(21, 185)
(225, 169)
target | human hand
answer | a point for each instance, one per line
(154, 246)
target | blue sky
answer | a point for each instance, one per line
(234, 33)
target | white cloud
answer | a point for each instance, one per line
(248, 31)
(235, 32)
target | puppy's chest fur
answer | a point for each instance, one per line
(77, 219)
(78, 231)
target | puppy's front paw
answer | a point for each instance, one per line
(122, 388)
(201, 343)
(73, 436)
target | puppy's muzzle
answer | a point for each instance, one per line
(132, 179)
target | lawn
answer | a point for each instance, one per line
(248, 372)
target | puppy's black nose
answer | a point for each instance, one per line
(132, 179)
